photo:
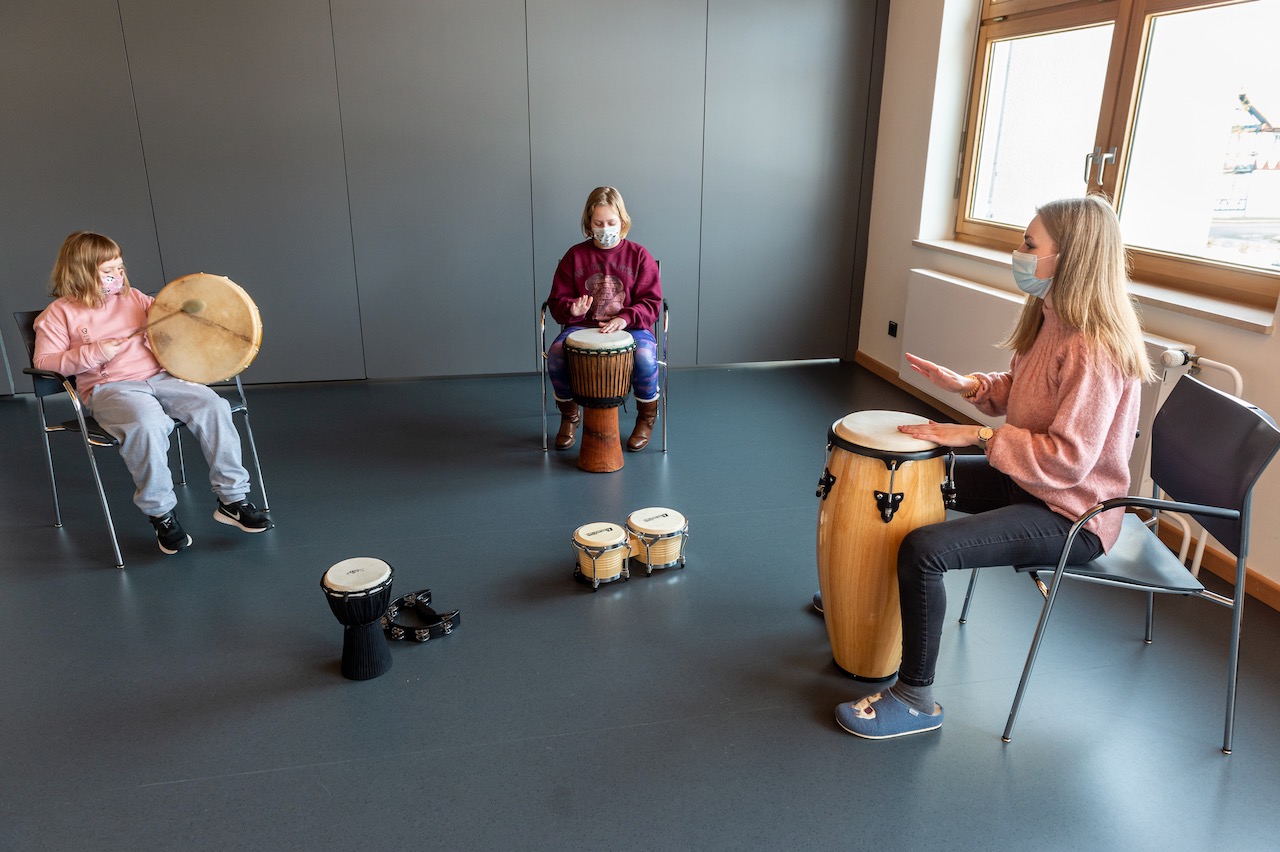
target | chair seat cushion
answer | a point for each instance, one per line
(1138, 558)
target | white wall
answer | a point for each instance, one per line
(927, 68)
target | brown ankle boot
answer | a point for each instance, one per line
(568, 423)
(646, 413)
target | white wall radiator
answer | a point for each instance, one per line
(958, 323)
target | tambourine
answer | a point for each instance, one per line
(411, 617)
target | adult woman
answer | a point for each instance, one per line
(1070, 401)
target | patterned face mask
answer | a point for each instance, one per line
(111, 284)
(607, 237)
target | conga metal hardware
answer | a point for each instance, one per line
(949, 484)
(825, 482)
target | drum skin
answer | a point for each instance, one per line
(858, 551)
(213, 344)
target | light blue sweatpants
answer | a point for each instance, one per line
(140, 416)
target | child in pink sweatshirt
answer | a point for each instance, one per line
(1070, 402)
(90, 332)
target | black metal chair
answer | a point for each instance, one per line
(47, 383)
(1208, 449)
(663, 322)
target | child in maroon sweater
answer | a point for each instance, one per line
(1070, 402)
(611, 284)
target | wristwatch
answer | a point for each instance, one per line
(984, 435)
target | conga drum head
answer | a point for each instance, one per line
(878, 430)
(204, 328)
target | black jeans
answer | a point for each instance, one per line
(1004, 526)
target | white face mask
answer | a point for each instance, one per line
(607, 237)
(1024, 274)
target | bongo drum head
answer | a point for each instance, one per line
(599, 535)
(204, 328)
(588, 338)
(656, 521)
(878, 430)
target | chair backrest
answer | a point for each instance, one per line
(26, 321)
(1210, 447)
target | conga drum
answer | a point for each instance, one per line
(600, 377)
(359, 592)
(657, 537)
(878, 485)
(204, 328)
(600, 553)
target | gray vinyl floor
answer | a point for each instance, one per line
(195, 702)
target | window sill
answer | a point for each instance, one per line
(1247, 317)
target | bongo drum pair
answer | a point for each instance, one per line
(878, 485)
(600, 376)
(655, 537)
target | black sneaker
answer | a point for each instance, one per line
(244, 515)
(169, 534)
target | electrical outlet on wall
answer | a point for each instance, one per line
(893, 328)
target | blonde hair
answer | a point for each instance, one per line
(599, 197)
(75, 273)
(1089, 286)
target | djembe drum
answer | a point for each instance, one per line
(600, 553)
(657, 537)
(204, 328)
(359, 592)
(600, 377)
(878, 485)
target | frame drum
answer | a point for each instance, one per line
(878, 485)
(217, 335)
(657, 537)
(600, 552)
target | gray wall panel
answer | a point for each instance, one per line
(394, 181)
(786, 108)
(238, 109)
(615, 95)
(72, 156)
(436, 123)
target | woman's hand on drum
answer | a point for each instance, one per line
(948, 380)
(580, 305)
(942, 434)
(615, 324)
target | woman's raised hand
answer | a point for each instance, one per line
(948, 380)
(580, 305)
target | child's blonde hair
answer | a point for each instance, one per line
(1089, 287)
(75, 273)
(599, 197)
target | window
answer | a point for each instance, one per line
(1169, 107)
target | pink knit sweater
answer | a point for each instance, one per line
(1071, 418)
(68, 336)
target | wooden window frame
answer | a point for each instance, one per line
(1005, 19)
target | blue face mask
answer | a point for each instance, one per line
(1024, 274)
